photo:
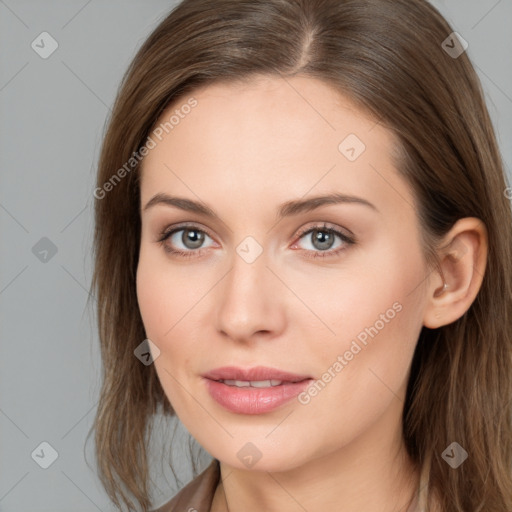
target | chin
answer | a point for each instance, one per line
(273, 463)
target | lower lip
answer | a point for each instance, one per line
(249, 400)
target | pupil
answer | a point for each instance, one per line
(323, 237)
(193, 237)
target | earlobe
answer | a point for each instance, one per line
(463, 259)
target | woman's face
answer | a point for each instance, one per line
(257, 288)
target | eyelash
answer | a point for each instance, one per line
(164, 235)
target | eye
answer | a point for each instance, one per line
(191, 238)
(322, 238)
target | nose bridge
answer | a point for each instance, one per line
(247, 281)
(247, 302)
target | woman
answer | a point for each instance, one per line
(304, 250)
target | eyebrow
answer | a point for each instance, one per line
(287, 209)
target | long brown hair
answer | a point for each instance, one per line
(391, 58)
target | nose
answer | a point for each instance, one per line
(250, 301)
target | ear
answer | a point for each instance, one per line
(463, 259)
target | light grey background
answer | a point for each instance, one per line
(52, 119)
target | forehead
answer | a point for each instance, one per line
(273, 136)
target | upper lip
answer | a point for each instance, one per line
(256, 373)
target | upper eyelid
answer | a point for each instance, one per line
(323, 225)
(173, 229)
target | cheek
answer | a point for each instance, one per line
(169, 302)
(371, 317)
(354, 298)
(152, 302)
(163, 296)
(363, 368)
(161, 305)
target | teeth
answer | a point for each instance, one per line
(252, 383)
(238, 383)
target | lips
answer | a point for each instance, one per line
(258, 373)
(255, 390)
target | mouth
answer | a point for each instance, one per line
(253, 391)
(256, 375)
(255, 383)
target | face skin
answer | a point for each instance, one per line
(244, 150)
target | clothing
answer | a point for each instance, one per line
(197, 495)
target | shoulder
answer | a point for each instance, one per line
(198, 494)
